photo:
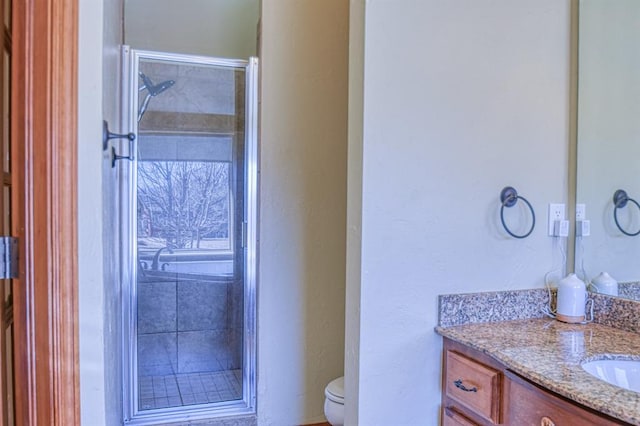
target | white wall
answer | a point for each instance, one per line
(608, 129)
(98, 290)
(302, 207)
(461, 98)
(111, 111)
(90, 250)
(222, 28)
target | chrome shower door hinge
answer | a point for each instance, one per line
(243, 237)
(9, 258)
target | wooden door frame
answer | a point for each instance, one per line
(44, 135)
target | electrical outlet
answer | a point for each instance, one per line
(556, 213)
(581, 212)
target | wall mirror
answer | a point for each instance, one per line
(608, 150)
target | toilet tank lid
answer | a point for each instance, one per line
(335, 390)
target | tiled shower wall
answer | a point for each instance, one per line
(189, 326)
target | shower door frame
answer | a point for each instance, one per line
(127, 184)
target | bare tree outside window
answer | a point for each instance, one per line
(183, 204)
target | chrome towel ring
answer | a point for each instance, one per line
(509, 197)
(620, 200)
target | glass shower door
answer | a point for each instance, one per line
(189, 237)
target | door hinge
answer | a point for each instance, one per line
(8, 257)
(244, 234)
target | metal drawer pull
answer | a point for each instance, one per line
(460, 386)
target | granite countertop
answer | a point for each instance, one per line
(549, 353)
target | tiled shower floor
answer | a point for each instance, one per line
(176, 390)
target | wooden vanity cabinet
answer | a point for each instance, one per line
(472, 387)
(530, 404)
(479, 391)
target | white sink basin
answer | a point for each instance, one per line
(618, 372)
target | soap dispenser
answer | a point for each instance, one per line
(572, 298)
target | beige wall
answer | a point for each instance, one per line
(445, 93)
(302, 211)
(219, 28)
(354, 210)
(302, 206)
(460, 98)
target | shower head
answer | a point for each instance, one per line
(155, 89)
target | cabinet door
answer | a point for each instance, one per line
(531, 405)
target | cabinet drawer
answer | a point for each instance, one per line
(473, 385)
(451, 417)
(530, 405)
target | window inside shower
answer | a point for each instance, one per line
(189, 237)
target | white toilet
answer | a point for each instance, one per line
(334, 402)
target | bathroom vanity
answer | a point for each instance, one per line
(528, 372)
